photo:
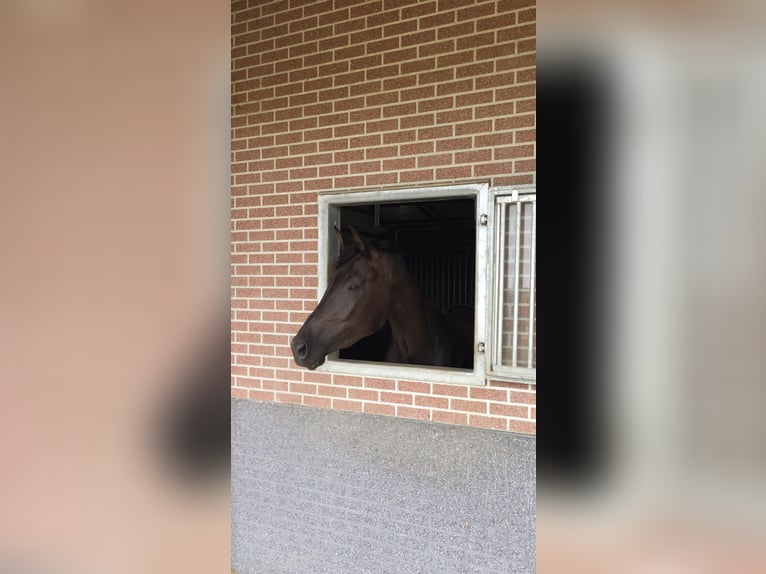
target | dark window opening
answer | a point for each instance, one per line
(437, 241)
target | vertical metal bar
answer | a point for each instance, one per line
(516, 282)
(500, 213)
(377, 215)
(532, 285)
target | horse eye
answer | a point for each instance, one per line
(353, 287)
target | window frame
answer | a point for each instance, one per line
(329, 215)
(500, 196)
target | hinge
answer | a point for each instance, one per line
(483, 219)
(480, 347)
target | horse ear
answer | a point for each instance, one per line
(339, 239)
(364, 247)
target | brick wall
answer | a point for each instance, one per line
(360, 94)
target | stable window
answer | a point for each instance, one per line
(442, 235)
(513, 353)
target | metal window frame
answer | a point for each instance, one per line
(329, 215)
(500, 198)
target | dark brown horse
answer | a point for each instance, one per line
(369, 287)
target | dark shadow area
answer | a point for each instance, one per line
(437, 241)
(574, 109)
(194, 424)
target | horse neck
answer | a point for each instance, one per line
(409, 314)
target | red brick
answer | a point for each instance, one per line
(435, 104)
(420, 9)
(399, 55)
(383, 72)
(495, 423)
(514, 122)
(365, 167)
(361, 142)
(507, 410)
(436, 20)
(527, 16)
(522, 426)
(499, 80)
(354, 406)
(363, 394)
(316, 8)
(417, 148)
(333, 119)
(493, 140)
(475, 12)
(435, 160)
(454, 87)
(333, 170)
(349, 182)
(366, 88)
(525, 165)
(524, 398)
(414, 387)
(399, 164)
(264, 396)
(513, 152)
(331, 391)
(425, 50)
(348, 130)
(512, 33)
(333, 69)
(450, 390)
(472, 406)
(489, 394)
(421, 120)
(378, 409)
(526, 46)
(413, 413)
(477, 69)
(473, 128)
(381, 152)
(321, 402)
(453, 173)
(437, 132)
(289, 398)
(334, 144)
(376, 179)
(431, 402)
(449, 417)
(400, 29)
(453, 116)
(272, 385)
(382, 19)
(381, 99)
(526, 75)
(418, 66)
(474, 99)
(400, 398)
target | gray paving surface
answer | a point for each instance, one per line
(320, 491)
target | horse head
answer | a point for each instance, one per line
(354, 306)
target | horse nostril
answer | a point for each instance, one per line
(302, 350)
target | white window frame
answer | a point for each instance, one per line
(329, 215)
(500, 198)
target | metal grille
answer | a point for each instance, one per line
(515, 282)
(446, 278)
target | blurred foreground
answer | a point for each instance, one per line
(677, 365)
(113, 242)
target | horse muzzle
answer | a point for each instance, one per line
(303, 355)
